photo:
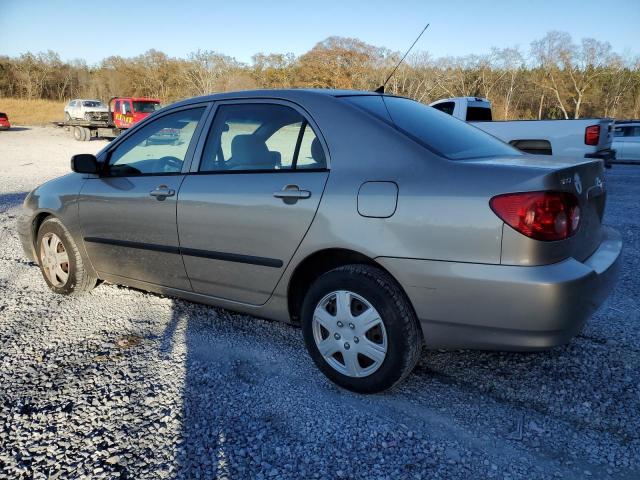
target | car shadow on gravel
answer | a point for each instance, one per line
(16, 129)
(251, 396)
(11, 200)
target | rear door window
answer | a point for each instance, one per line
(260, 137)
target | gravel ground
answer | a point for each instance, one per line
(125, 384)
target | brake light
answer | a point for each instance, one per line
(591, 135)
(547, 216)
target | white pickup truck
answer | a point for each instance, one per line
(590, 138)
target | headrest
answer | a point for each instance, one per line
(317, 153)
(248, 148)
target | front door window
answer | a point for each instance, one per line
(159, 148)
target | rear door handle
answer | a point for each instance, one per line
(162, 192)
(292, 193)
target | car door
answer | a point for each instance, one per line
(632, 144)
(249, 201)
(77, 109)
(619, 142)
(128, 213)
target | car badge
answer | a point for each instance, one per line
(577, 183)
(599, 183)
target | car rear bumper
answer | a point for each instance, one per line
(501, 307)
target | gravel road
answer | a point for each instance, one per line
(125, 384)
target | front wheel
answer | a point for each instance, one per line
(360, 329)
(60, 260)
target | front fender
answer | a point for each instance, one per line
(59, 198)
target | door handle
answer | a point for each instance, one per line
(291, 194)
(162, 192)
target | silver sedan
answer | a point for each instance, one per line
(376, 223)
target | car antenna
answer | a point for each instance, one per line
(380, 89)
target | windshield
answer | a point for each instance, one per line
(441, 133)
(145, 107)
(93, 103)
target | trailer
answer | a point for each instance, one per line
(83, 130)
(124, 112)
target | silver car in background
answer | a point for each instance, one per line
(85, 110)
(626, 141)
(377, 223)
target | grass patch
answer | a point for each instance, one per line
(31, 112)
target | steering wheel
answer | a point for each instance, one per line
(172, 163)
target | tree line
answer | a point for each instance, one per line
(554, 78)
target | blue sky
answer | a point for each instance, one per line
(76, 29)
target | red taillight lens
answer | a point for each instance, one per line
(591, 135)
(545, 216)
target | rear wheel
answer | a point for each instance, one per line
(60, 260)
(87, 134)
(360, 328)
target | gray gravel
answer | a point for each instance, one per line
(125, 384)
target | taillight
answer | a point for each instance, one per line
(591, 135)
(545, 216)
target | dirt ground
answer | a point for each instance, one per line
(39, 154)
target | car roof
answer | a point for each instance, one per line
(278, 93)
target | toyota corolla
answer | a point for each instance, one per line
(378, 224)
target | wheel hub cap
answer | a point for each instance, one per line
(349, 333)
(55, 260)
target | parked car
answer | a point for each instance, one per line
(626, 140)
(85, 110)
(583, 138)
(4, 122)
(375, 222)
(166, 135)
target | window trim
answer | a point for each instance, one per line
(105, 155)
(197, 156)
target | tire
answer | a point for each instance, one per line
(373, 292)
(87, 134)
(78, 133)
(77, 280)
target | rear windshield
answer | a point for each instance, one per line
(3, 115)
(441, 133)
(478, 114)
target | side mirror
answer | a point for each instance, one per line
(84, 163)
